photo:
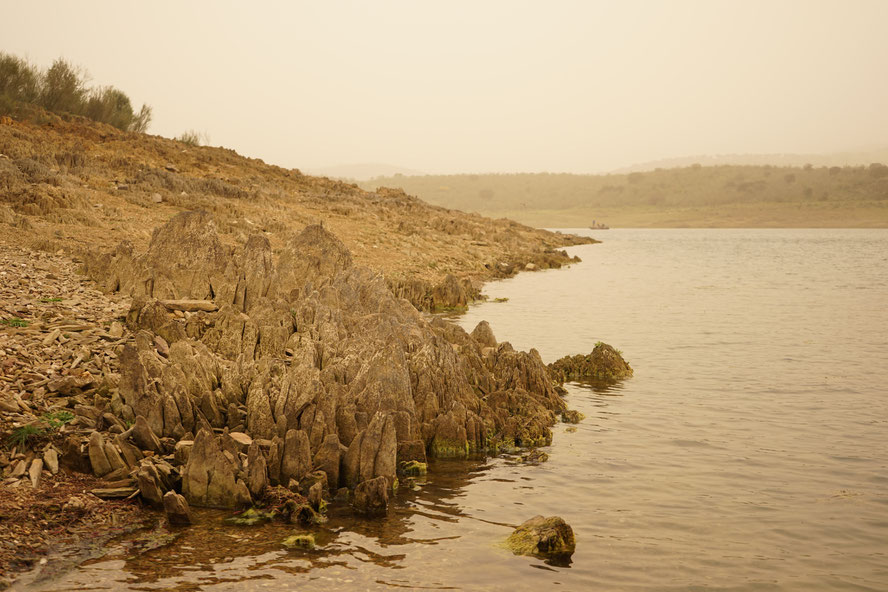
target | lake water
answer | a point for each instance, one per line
(749, 452)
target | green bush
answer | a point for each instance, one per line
(19, 80)
(110, 105)
(62, 88)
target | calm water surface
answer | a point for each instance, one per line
(749, 452)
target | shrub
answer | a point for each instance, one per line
(110, 105)
(62, 88)
(194, 138)
(19, 80)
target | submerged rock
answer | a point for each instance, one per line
(604, 363)
(250, 517)
(299, 541)
(572, 416)
(413, 468)
(534, 457)
(547, 537)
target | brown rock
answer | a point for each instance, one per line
(97, 458)
(483, 335)
(412, 450)
(177, 510)
(51, 460)
(316, 496)
(371, 496)
(144, 436)
(182, 451)
(257, 474)
(209, 478)
(242, 498)
(327, 459)
(75, 456)
(35, 471)
(113, 456)
(113, 492)
(296, 457)
(148, 481)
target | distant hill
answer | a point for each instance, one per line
(848, 158)
(361, 171)
(704, 196)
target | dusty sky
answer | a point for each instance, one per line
(483, 86)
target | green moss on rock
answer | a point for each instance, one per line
(546, 537)
(300, 541)
(250, 517)
(442, 448)
(414, 468)
(572, 416)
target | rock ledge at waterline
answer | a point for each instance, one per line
(310, 356)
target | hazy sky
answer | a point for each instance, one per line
(484, 86)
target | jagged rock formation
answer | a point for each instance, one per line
(604, 363)
(310, 355)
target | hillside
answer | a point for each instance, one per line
(717, 196)
(361, 171)
(848, 158)
(74, 185)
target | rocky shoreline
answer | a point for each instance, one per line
(240, 379)
(241, 354)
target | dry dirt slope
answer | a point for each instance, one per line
(77, 185)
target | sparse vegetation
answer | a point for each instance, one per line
(194, 138)
(62, 89)
(27, 434)
(24, 435)
(14, 322)
(57, 419)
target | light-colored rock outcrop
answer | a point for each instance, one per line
(312, 354)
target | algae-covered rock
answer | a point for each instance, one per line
(297, 511)
(413, 468)
(299, 541)
(546, 537)
(572, 416)
(604, 363)
(250, 517)
(534, 457)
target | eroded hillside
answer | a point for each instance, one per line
(75, 186)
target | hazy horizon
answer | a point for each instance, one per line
(579, 87)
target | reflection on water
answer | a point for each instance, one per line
(747, 453)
